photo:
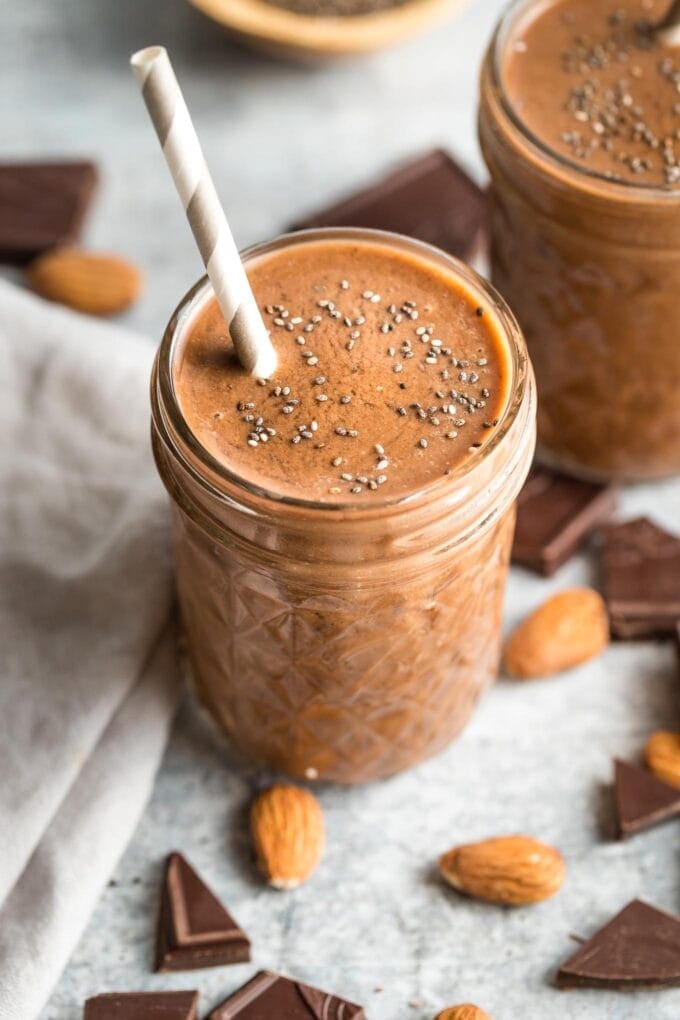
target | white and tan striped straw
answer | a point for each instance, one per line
(184, 156)
(668, 29)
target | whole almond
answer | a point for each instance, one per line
(89, 282)
(568, 629)
(662, 754)
(288, 835)
(514, 870)
(464, 1012)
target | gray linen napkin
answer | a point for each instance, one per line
(88, 671)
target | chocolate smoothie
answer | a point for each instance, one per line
(342, 530)
(390, 375)
(580, 127)
(591, 81)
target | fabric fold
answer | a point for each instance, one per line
(85, 592)
(50, 905)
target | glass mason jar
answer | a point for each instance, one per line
(343, 642)
(591, 268)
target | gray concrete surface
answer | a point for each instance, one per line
(536, 758)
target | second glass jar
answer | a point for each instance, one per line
(591, 268)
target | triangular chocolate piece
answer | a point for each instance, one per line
(194, 929)
(142, 1006)
(324, 1006)
(270, 996)
(641, 799)
(639, 948)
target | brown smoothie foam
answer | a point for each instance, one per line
(591, 81)
(391, 374)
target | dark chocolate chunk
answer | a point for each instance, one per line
(629, 628)
(642, 800)
(42, 205)
(142, 1006)
(555, 516)
(430, 198)
(640, 579)
(639, 948)
(270, 996)
(194, 929)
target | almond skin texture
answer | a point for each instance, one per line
(89, 282)
(464, 1012)
(662, 754)
(513, 870)
(568, 629)
(287, 828)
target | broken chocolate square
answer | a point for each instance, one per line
(194, 929)
(142, 1006)
(555, 516)
(42, 205)
(430, 198)
(640, 579)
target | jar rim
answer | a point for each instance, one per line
(618, 186)
(224, 482)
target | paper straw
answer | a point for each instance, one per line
(184, 156)
(668, 29)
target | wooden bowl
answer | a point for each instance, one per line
(304, 37)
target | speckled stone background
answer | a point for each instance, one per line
(282, 139)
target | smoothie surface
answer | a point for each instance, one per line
(592, 82)
(392, 372)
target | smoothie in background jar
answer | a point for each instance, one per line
(343, 530)
(580, 128)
